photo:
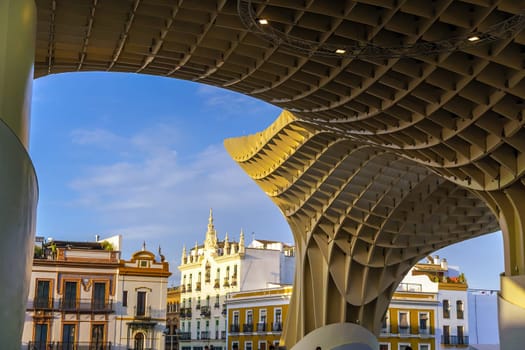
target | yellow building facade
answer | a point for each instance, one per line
(410, 321)
(256, 318)
(172, 317)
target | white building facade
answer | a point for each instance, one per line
(83, 296)
(211, 270)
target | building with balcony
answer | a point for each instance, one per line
(428, 309)
(83, 295)
(215, 268)
(256, 317)
(172, 318)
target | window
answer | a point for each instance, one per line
(235, 345)
(124, 298)
(141, 303)
(384, 346)
(446, 335)
(404, 346)
(459, 309)
(261, 326)
(97, 336)
(68, 336)
(40, 336)
(461, 339)
(262, 345)
(404, 325)
(446, 309)
(424, 347)
(42, 295)
(99, 295)
(248, 345)
(248, 325)
(70, 295)
(277, 320)
(423, 323)
(385, 325)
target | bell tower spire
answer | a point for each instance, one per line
(210, 242)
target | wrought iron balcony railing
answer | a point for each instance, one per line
(277, 327)
(247, 327)
(454, 340)
(234, 328)
(205, 311)
(142, 312)
(69, 346)
(72, 305)
(205, 335)
(184, 335)
(261, 327)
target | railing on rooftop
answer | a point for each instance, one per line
(409, 287)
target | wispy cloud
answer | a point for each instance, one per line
(231, 103)
(159, 197)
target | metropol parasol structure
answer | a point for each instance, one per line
(402, 132)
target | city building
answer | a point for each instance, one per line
(172, 318)
(256, 317)
(428, 310)
(83, 295)
(215, 268)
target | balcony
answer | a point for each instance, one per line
(198, 286)
(83, 305)
(223, 335)
(205, 335)
(234, 328)
(217, 284)
(142, 312)
(188, 287)
(184, 335)
(454, 340)
(183, 289)
(68, 346)
(41, 304)
(404, 330)
(217, 305)
(205, 311)
(261, 327)
(234, 280)
(226, 282)
(198, 306)
(247, 328)
(277, 327)
(185, 312)
(207, 277)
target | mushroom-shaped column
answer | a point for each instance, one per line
(361, 216)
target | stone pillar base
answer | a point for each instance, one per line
(339, 336)
(511, 312)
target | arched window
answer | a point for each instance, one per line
(139, 341)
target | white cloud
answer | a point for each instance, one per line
(164, 200)
(231, 103)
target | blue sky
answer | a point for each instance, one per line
(143, 157)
